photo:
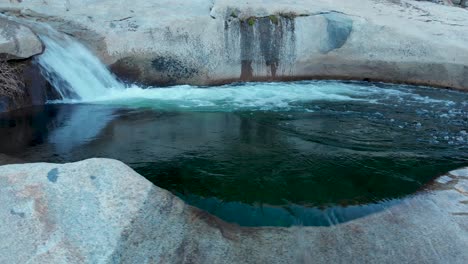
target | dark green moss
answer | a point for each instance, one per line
(274, 19)
(251, 21)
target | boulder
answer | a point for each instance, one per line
(17, 41)
(213, 42)
(101, 211)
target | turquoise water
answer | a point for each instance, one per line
(304, 153)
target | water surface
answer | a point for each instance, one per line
(307, 153)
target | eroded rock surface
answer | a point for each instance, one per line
(101, 211)
(211, 42)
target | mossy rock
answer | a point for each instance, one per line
(251, 21)
(274, 19)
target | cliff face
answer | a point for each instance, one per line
(212, 42)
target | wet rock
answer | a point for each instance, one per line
(161, 70)
(101, 211)
(32, 88)
(53, 175)
(17, 41)
(339, 28)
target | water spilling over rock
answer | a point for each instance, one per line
(73, 70)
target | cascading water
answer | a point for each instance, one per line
(73, 70)
(79, 76)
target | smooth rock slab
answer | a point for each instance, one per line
(101, 211)
(17, 41)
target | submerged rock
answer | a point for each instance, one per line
(101, 211)
(212, 42)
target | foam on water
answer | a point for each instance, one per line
(254, 96)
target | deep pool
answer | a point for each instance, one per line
(304, 153)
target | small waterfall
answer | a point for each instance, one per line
(72, 69)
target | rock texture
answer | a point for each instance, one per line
(21, 83)
(31, 88)
(219, 41)
(101, 211)
(17, 41)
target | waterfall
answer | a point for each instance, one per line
(72, 69)
(79, 76)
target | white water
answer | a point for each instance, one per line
(254, 96)
(79, 76)
(73, 70)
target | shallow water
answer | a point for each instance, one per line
(304, 153)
